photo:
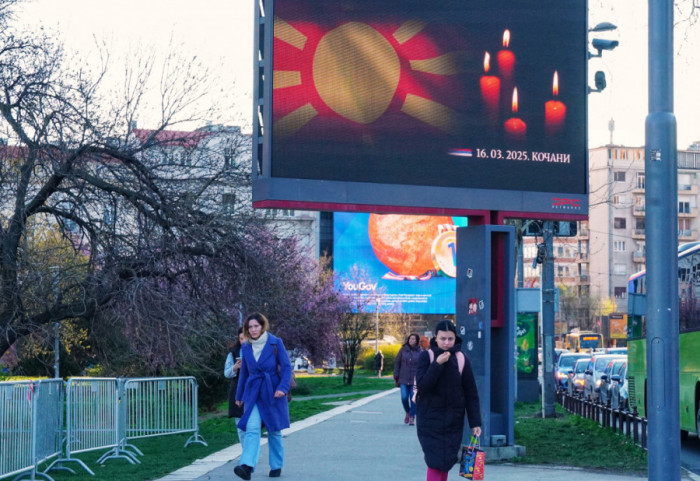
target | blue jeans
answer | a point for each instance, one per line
(407, 399)
(251, 443)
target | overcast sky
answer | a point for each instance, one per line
(220, 32)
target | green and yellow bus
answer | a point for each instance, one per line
(689, 338)
(583, 341)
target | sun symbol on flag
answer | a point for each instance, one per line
(358, 72)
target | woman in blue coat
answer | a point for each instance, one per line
(262, 391)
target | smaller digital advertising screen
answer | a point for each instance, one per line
(408, 260)
(485, 94)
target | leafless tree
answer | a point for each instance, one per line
(145, 235)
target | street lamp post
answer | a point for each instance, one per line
(56, 325)
(376, 327)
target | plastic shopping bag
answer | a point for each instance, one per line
(472, 460)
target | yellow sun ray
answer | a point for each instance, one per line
(285, 78)
(289, 34)
(448, 64)
(431, 112)
(293, 121)
(408, 30)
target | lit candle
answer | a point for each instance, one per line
(506, 58)
(515, 128)
(490, 91)
(554, 110)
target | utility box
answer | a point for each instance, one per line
(485, 313)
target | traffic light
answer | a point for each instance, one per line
(541, 253)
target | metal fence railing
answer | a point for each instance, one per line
(624, 422)
(161, 406)
(31, 426)
(91, 418)
(15, 428)
(52, 421)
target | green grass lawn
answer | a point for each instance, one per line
(573, 441)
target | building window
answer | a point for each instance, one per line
(620, 223)
(228, 157)
(684, 207)
(619, 199)
(228, 202)
(620, 269)
(619, 176)
(621, 292)
(619, 246)
(641, 181)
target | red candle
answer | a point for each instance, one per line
(506, 58)
(490, 91)
(515, 128)
(554, 110)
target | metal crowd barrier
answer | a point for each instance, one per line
(100, 413)
(161, 406)
(91, 418)
(31, 426)
(15, 428)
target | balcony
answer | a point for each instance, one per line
(639, 257)
(639, 210)
(688, 189)
(582, 257)
(639, 234)
(693, 213)
(638, 189)
(687, 235)
(583, 280)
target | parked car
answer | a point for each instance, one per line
(596, 367)
(606, 382)
(618, 391)
(564, 364)
(617, 350)
(575, 382)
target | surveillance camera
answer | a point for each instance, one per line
(599, 79)
(603, 44)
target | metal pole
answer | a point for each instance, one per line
(661, 168)
(548, 398)
(376, 326)
(56, 326)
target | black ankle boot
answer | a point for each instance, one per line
(243, 471)
(275, 473)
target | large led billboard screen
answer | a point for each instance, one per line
(407, 261)
(477, 105)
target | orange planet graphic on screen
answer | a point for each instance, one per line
(403, 242)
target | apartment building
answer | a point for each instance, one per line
(617, 219)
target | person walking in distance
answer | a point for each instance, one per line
(231, 369)
(405, 375)
(446, 390)
(265, 378)
(379, 362)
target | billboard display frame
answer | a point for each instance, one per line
(271, 191)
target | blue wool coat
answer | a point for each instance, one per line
(258, 381)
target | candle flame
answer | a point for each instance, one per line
(555, 84)
(515, 100)
(506, 38)
(487, 62)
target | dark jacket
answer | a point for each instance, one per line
(406, 363)
(260, 379)
(234, 411)
(441, 405)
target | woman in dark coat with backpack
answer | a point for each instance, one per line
(405, 375)
(446, 390)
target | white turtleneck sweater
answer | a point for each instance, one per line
(258, 345)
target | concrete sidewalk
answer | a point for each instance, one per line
(366, 440)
